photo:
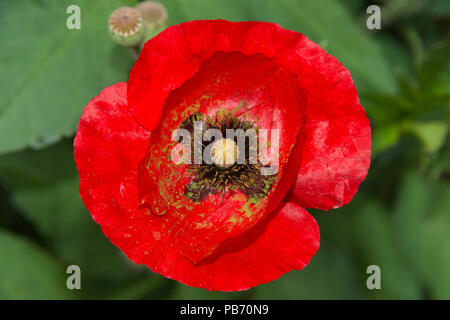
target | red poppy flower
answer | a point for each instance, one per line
(222, 226)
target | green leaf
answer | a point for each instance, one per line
(325, 22)
(385, 137)
(377, 245)
(422, 225)
(35, 169)
(434, 73)
(49, 73)
(49, 199)
(433, 134)
(331, 274)
(366, 229)
(181, 11)
(398, 54)
(28, 272)
(438, 8)
(65, 223)
(183, 292)
(146, 286)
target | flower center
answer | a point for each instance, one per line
(224, 172)
(224, 153)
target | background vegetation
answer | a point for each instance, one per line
(399, 220)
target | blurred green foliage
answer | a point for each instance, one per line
(399, 220)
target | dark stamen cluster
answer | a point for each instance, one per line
(244, 175)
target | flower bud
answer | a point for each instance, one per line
(153, 13)
(155, 18)
(126, 26)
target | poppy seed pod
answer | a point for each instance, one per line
(126, 27)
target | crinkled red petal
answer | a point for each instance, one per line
(336, 142)
(335, 155)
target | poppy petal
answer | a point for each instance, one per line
(109, 146)
(286, 241)
(336, 143)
